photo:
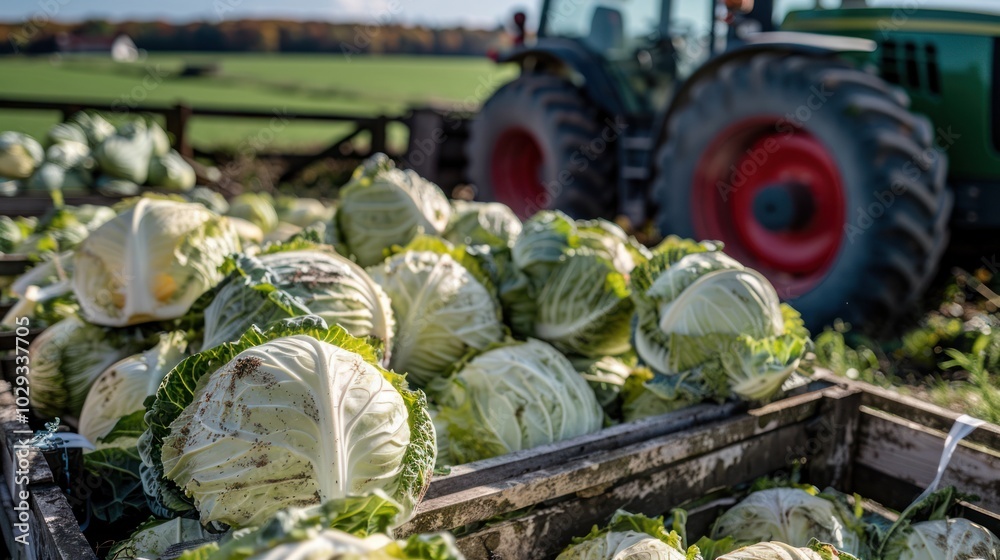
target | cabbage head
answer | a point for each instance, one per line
(92, 216)
(711, 328)
(548, 235)
(584, 307)
(576, 276)
(297, 530)
(943, 539)
(66, 359)
(121, 389)
(51, 177)
(69, 155)
(646, 394)
(208, 198)
(107, 185)
(629, 537)
(69, 132)
(94, 126)
(256, 209)
(516, 397)
(482, 223)
(12, 232)
(171, 172)
(793, 516)
(151, 262)
(297, 279)
(333, 544)
(610, 241)
(444, 307)
(152, 539)
(302, 212)
(781, 551)
(383, 206)
(44, 293)
(9, 187)
(158, 137)
(606, 376)
(20, 154)
(59, 230)
(290, 416)
(126, 154)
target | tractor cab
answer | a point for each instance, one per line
(646, 47)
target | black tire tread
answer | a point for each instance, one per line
(908, 241)
(570, 121)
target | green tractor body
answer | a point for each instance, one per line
(825, 148)
(949, 64)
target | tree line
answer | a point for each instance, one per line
(37, 36)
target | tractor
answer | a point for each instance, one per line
(814, 143)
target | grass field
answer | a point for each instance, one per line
(333, 83)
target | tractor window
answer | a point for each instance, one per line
(614, 28)
(782, 7)
(691, 34)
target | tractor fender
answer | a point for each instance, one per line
(571, 60)
(782, 42)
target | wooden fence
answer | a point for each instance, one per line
(437, 135)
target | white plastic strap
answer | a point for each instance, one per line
(964, 426)
(70, 440)
(64, 440)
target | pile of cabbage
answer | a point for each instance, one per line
(87, 152)
(233, 362)
(795, 523)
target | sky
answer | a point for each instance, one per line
(478, 13)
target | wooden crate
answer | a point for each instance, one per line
(852, 436)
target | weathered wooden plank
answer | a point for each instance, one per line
(832, 438)
(54, 524)
(518, 463)
(604, 469)
(15, 455)
(913, 409)
(514, 464)
(910, 452)
(542, 534)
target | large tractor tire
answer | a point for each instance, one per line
(538, 143)
(815, 174)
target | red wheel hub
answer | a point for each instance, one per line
(515, 172)
(775, 197)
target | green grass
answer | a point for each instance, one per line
(950, 357)
(319, 83)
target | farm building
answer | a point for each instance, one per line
(121, 47)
